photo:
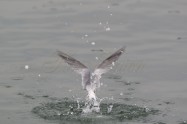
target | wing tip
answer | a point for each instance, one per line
(123, 49)
(62, 55)
(59, 53)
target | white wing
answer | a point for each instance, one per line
(77, 67)
(106, 65)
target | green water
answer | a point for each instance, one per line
(68, 110)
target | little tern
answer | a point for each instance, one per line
(91, 81)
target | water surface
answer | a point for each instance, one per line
(152, 73)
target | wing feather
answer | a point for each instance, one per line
(78, 67)
(107, 64)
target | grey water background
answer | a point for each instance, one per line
(152, 72)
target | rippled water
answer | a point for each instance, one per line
(72, 111)
(151, 74)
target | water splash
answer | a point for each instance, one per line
(91, 80)
(75, 110)
(109, 109)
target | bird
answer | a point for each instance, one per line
(91, 80)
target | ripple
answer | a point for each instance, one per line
(68, 110)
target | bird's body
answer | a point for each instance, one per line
(91, 81)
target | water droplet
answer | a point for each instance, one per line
(93, 43)
(78, 105)
(96, 58)
(184, 122)
(121, 94)
(113, 63)
(108, 7)
(86, 35)
(39, 75)
(109, 108)
(107, 29)
(27, 67)
(146, 109)
(100, 23)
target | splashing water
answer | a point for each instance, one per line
(109, 108)
(78, 110)
(91, 81)
(75, 110)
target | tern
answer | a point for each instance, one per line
(91, 81)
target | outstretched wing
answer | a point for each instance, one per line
(78, 67)
(107, 64)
